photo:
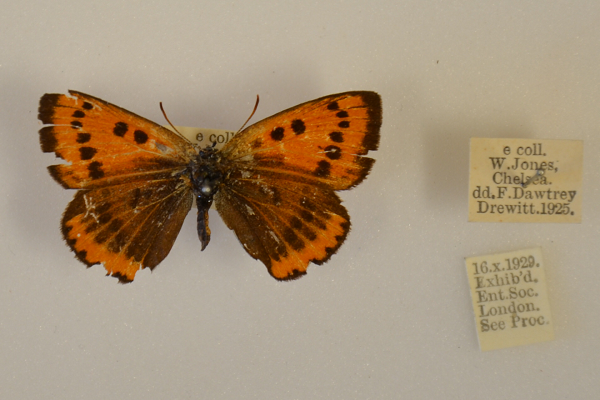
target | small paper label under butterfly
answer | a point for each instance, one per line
(525, 180)
(510, 299)
(205, 137)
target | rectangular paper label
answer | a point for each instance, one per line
(525, 180)
(510, 299)
(205, 137)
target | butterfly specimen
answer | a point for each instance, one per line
(273, 184)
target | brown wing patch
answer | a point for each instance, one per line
(127, 227)
(105, 144)
(285, 223)
(326, 138)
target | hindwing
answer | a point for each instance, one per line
(127, 227)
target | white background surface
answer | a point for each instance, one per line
(390, 315)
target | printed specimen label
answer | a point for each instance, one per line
(205, 137)
(525, 180)
(510, 299)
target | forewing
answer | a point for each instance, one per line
(323, 140)
(105, 144)
(127, 227)
(285, 224)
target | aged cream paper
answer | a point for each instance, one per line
(525, 180)
(510, 299)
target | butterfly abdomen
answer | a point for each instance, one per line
(206, 174)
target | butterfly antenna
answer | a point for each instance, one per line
(167, 118)
(253, 111)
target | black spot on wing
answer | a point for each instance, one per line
(108, 231)
(344, 124)
(118, 242)
(104, 218)
(319, 223)
(342, 114)
(297, 225)
(333, 152)
(298, 126)
(323, 169)
(311, 215)
(78, 114)
(83, 137)
(120, 129)
(337, 137)
(87, 106)
(306, 216)
(140, 137)
(333, 106)
(91, 225)
(292, 239)
(277, 133)
(95, 169)
(309, 234)
(87, 153)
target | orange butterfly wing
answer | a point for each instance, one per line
(278, 195)
(105, 144)
(135, 194)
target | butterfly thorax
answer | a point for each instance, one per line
(206, 175)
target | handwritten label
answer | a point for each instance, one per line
(510, 299)
(205, 137)
(525, 180)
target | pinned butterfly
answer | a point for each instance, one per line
(273, 184)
